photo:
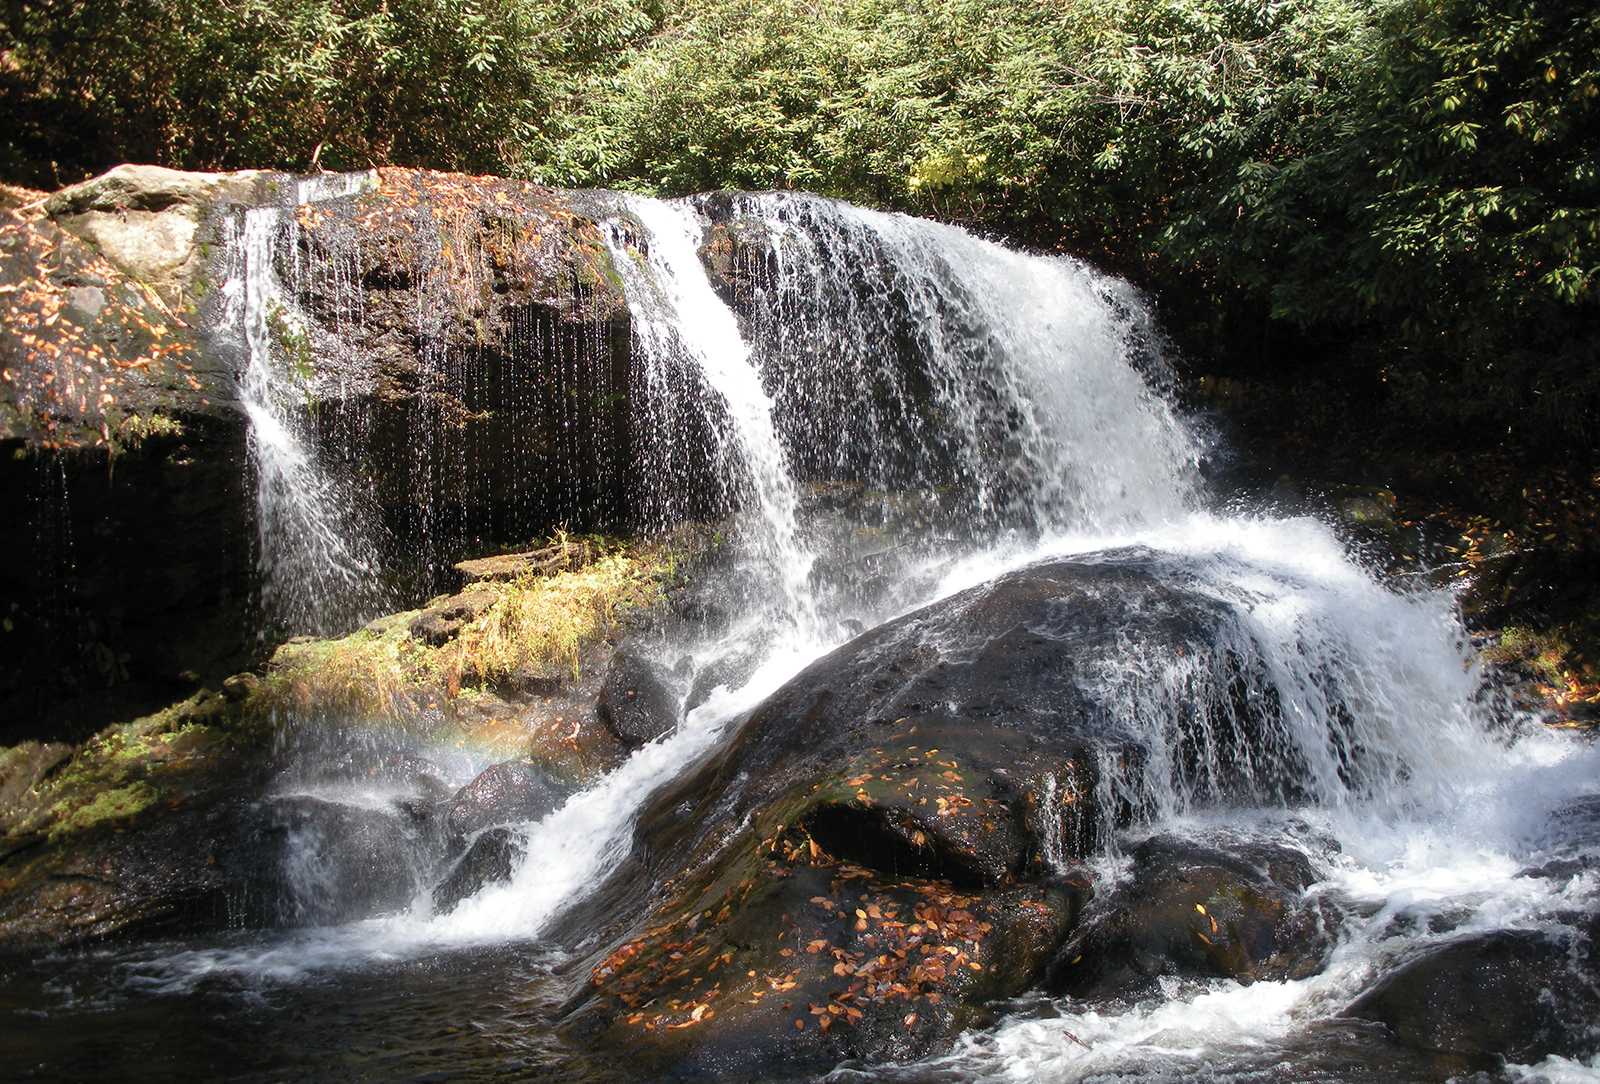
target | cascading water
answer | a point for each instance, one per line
(676, 313)
(982, 411)
(318, 563)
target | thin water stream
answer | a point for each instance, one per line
(1012, 407)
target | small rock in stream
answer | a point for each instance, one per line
(506, 793)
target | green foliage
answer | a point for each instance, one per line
(474, 85)
(1414, 178)
(1449, 200)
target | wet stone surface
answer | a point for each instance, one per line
(1520, 995)
(890, 843)
(1198, 910)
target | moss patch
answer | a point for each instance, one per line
(131, 769)
(509, 666)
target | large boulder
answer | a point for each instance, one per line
(151, 825)
(1517, 995)
(508, 793)
(491, 859)
(639, 699)
(150, 222)
(1198, 910)
(337, 861)
(891, 842)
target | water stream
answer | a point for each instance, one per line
(317, 556)
(991, 410)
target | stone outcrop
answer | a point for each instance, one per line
(152, 223)
(1517, 995)
(1198, 910)
(149, 825)
(461, 340)
(894, 841)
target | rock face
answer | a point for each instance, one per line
(504, 794)
(461, 340)
(490, 860)
(1196, 911)
(151, 825)
(1521, 995)
(890, 842)
(149, 222)
(130, 578)
(638, 700)
(122, 474)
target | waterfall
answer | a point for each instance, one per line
(677, 314)
(319, 565)
(916, 355)
(891, 412)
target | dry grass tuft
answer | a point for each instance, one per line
(547, 630)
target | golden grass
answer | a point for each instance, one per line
(550, 623)
(548, 626)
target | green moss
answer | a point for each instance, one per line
(291, 337)
(109, 805)
(133, 430)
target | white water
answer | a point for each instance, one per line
(317, 565)
(677, 314)
(1060, 448)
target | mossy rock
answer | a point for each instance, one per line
(146, 825)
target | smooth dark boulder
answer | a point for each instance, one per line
(639, 701)
(504, 794)
(491, 859)
(1196, 910)
(888, 844)
(1521, 995)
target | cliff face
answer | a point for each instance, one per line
(456, 352)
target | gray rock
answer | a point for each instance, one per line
(639, 700)
(146, 219)
(504, 794)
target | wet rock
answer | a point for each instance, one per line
(737, 252)
(545, 561)
(847, 962)
(1198, 911)
(1521, 995)
(443, 619)
(491, 859)
(638, 701)
(504, 794)
(731, 670)
(122, 491)
(927, 790)
(191, 869)
(112, 346)
(339, 862)
(22, 768)
(151, 825)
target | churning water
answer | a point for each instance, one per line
(1004, 409)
